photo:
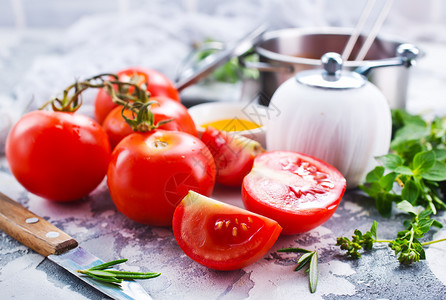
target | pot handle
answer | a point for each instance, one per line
(190, 63)
(406, 56)
(262, 66)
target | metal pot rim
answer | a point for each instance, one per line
(307, 31)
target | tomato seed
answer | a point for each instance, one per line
(218, 224)
(244, 227)
(234, 231)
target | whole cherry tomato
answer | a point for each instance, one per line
(151, 172)
(298, 191)
(59, 156)
(164, 109)
(158, 85)
(221, 236)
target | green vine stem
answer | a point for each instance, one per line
(130, 95)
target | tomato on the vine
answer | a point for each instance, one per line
(164, 109)
(59, 156)
(233, 154)
(221, 236)
(150, 172)
(157, 84)
(298, 191)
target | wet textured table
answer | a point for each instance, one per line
(99, 228)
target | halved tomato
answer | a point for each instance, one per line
(221, 236)
(233, 155)
(298, 191)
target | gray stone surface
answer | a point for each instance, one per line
(40, 62)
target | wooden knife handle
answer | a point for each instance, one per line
(31, 230)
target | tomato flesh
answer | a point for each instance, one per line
(297, 190)
(233, 154)
(221, 236)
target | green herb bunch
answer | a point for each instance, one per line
(231, 71)
(406, 245)
(415, 170)
(412, 175)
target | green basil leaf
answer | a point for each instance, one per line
(372, 189)
(407, 207)
(404, 170)
(408, 150)
(409, 132)
(387, 181)
(424, 214)
(423, 162)
(440, 154)
(401, 117)
(390, 161)
(425, 225)
(375, 175)
(436, 173)
(410, 191)
(383, 204)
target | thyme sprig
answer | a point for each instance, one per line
(104, 274)
(406, 245)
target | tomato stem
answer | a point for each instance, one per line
(130, 95)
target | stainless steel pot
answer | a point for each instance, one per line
(286, 52)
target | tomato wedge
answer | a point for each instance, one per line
(233, 154)
(298, 191)
(221, 236)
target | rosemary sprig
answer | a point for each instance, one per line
(310, 259)
(104, 274)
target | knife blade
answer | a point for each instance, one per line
(51, 242)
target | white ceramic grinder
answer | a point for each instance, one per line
(334, 115)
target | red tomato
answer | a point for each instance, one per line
(298, 191)
(221, 236)
(159, 85)
(57, 155)
(233, 155)
(116, 127)
(151, 172)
